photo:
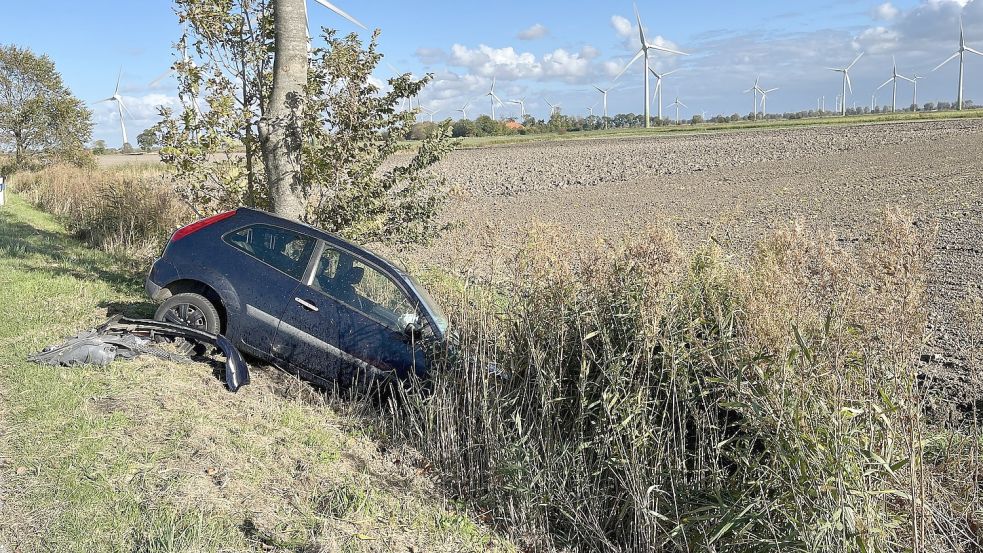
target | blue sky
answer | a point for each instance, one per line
(552, 49)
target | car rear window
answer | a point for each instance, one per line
(282, 249)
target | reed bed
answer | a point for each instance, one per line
(642, 398)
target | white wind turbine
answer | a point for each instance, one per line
(553, 107)
(604, 94)
(914, 90)
(188, 62)
(643, 51)
(961, 54)
(846, 80)
(397, 73)
(764, 101)
(677, 103)
(658, 86)
(120, 107)
(493, 98)
(894, 78)
(333, 8)
(464, 109)
(522, 106)
(754, 90)
(430, 112)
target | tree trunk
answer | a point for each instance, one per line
(280, 136)
(18, 149)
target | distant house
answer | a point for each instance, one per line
(513, 125)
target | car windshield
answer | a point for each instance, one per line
(438, 315)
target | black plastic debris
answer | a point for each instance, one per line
(128, 338)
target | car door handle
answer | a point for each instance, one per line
(306, 304)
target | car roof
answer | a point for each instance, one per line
(329, 237)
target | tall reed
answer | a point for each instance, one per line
(654, 400)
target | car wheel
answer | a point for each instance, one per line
(192, 310)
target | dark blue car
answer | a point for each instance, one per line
(298, 297)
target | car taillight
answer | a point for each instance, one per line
(195, 227)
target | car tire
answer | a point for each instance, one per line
(191, 310)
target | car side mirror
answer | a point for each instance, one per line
(410, 323)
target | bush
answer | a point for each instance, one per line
(128, 210)
(661, 401)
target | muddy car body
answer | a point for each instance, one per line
(297, 296)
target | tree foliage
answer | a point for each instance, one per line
(147, 140)
(351, 128)
(224, 73)
(39, 116)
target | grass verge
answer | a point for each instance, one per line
(153, 456)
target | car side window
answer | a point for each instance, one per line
(280, 248)
(363, 287)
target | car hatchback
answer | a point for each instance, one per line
(297, 296)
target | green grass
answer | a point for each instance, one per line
(153, 456)
(770, 124)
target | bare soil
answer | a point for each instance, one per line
(738, 187)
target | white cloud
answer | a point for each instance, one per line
(509, 64)
(622, 26)
(877, 40)
(532, 33)
(885, 11)
(563, 64)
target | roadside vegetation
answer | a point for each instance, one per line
(655, 398)
(650, 399)
(153, 456)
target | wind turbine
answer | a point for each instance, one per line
(187, 61)
(522, 106)
(677, 103)
(658, 86)
(332, 7)
(604, 93)
(120, 107)
(873, 101)
(764, 101)
(590, 111)
(961, 54)
(553, 107)
(894, 78)
(493, 98)
(397, 73)
(643, 51)
(464, 109)
(914, 90)
(430, 112)
(846, 81)
(754, 90)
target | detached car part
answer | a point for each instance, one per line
(129, 338)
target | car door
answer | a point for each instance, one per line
(372, 315)
(307, 338)
(274, 261)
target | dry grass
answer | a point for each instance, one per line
(127, 210)
(658, 400)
